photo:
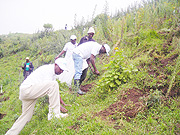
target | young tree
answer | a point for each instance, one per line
(48, 28)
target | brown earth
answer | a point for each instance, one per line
(87, 87)
(129, 104)
(127, 107)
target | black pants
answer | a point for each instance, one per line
(83, 76)
(27, 73)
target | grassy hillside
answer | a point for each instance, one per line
(137, 91)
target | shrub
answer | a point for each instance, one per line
(118, 73)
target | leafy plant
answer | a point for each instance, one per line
(118, 73)
(154, 98)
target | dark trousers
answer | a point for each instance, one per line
(83, 76)
(27, 73)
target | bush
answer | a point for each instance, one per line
(118, 73)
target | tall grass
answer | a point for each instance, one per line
(156, 14)
(135, 30)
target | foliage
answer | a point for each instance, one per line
(166, 119)
(118, 73)
(48, 26)
(148, 34)
(176, 71)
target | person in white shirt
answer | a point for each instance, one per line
(68, 50)
(38, 84)
(87, 51)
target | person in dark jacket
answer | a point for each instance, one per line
(28, 68)
(84, 39)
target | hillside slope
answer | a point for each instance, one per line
(137, 91)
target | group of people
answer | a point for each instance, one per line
(80, 57)
(43, 82)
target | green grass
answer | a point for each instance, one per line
(143, 36)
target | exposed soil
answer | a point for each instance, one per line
(127, 107)
(87, 87)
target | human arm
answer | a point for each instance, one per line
(92, 61)
(83, 40)
(89, 64)
(62, 102)
(61, 53)
(23, 67)
(31, 66)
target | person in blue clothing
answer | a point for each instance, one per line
(84, 39)
(28, 68)
(87, 51)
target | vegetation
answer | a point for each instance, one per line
(137, 91)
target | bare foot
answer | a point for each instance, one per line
(63, 110)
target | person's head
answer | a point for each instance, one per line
(60, 66)
(91, 32)
(27, 59)
(105, 49)
(73, 39)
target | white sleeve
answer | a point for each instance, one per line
(65, 47)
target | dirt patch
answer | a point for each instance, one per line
(127, 107)
(87, 87)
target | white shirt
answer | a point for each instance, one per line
(42, 74)
(86, 49)
(69, 49)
